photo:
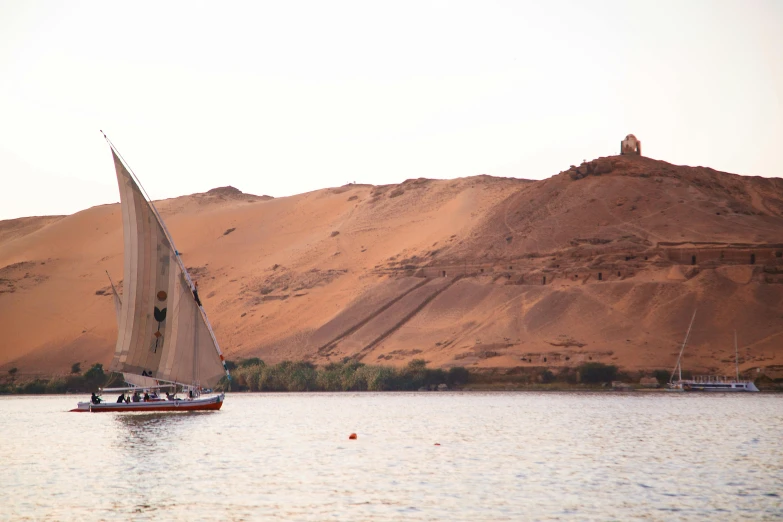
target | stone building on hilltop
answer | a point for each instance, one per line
(630, 145)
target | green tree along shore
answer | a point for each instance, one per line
(350, 375)
(86, 382)
(254, 375)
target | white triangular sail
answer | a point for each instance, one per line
(130, 378)
(140, 381)
(162, 330)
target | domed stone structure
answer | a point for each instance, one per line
(630, 145)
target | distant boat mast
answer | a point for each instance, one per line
(678, 366)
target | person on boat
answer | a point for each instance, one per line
(170, 397)
(146, 397)
(127, 399)
(136, 397)
(195, 293)
(121, 398)
(95, 399)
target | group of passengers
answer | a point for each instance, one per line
(137, 397)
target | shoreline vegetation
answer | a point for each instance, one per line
(253, 375)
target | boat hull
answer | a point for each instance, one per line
(715, 386)
(206, 404)
(713, 389)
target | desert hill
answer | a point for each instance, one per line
(605, 261)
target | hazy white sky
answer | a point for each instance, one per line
(283, 97)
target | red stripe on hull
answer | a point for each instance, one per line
(209, 404)
(190, 407)
(193, 407)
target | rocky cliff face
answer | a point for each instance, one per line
(605, 261)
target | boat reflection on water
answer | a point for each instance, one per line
(153, 420)
(158, 449)
(155, 434)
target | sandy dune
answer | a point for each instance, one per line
(603, 262)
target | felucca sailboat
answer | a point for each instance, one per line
(164, 341)
(708, 383)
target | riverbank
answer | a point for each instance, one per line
(253, 375)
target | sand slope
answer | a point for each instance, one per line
(603, 262)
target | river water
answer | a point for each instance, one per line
(501, 456)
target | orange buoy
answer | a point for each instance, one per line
(352, 436)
